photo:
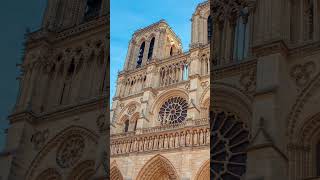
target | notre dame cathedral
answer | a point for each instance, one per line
(264, 105)
(58, 128)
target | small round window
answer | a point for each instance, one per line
(174, 110)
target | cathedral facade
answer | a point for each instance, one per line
(58, 128)
(159, 116)
(264, 102)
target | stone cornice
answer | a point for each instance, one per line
(61, 112)
(269, 48)
(305, 49)
(45, 35)
(220, 72)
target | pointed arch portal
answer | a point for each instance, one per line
(159, 168)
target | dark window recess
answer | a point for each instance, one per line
(93, 9)
(210, 28)
(151, 49)
(62, 93)
(126, 126)
(140, 55)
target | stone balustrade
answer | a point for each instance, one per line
(195, 133)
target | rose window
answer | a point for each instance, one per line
(70, 151)
(229, 142)
(173, 111)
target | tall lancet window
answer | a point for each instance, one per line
(126, 125)
(309, 19)
(241, 36)
(93, 9)
(140, 55)
(210, 28)
(151, 48)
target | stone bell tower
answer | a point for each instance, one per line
(58, 127)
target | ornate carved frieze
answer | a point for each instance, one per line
(39, 138)
(160, 139)
(248, 81)
(229, 9)
(70, 151)
(303, 73)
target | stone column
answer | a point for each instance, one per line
(266, 153)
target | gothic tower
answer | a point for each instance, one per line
(58, 127)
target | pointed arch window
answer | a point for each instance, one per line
(209, 28)
(150, 53)
(140, 55)
(241, 36)
(126, 125)
(309, 19)
(93, 9)
(171, 51)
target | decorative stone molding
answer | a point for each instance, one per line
(70, 151)
(170, 137)
(39, 138)
(131, 109)
(248, 81)
(102, 123)
(303, 73)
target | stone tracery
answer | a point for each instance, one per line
(70, 151)
(173, 111)
(49, 174)
(230, 140)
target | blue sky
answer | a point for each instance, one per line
(15, 17)
(129, 15)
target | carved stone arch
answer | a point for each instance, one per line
(125, 109)
(204, 102)
(152, 35)
(115, 173)
(204, 171)
(163, 97)
(299, 106)
(83, 171)
(49, 174)
(55, 142)
(134, 117)
(307, 132)
(304, 149)
(232, 99)
(166, 95)
(159, 168)
(123, 119)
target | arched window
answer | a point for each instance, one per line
(309, 19)
(135, 125)
(241, 36)
(171, 51)
(151, 48)
(126, 126)
(140, 55)
(210, 28)
(185, 72)
(318, 158)
(93, 9)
